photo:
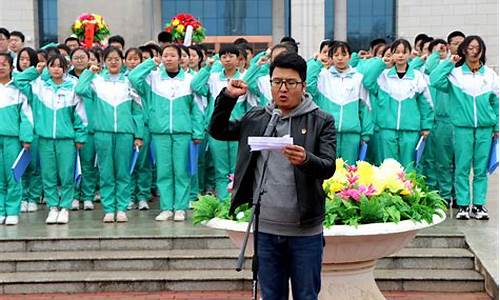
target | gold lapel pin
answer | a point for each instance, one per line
(304, 131)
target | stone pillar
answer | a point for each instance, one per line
(308, 25)
(340, 20)
(278, 20)
(21, 15)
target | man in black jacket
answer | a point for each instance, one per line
(290, 238)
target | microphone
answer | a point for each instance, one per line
(272, 123)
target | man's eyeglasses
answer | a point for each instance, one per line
(289, 83)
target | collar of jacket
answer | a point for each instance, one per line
(223, 77)
(107, 76)
(467, 70)
(164, 75)
(410, 73)
(66, 84)
(348, 73)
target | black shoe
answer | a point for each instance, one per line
(479, 212)
(463, 213)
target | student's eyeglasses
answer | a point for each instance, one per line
(289, 83)
(79, 58)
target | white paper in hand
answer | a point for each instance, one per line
(259, 143)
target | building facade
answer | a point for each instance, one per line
(264, 22)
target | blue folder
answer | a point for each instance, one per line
(362, 151)
(20, 164)
(133, 160)
(152, 159)
(493, 157)
(194, 150)
(419, 150)
(78, 169)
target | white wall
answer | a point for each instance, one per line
(438, 18)
(308, 25)
(20, 15)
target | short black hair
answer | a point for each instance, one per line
(462, 49)
(174, 46)
(198, 50)
(64, 47)
(19, 34)
(290, 61)
(229, 49)
(184, 49)
(97, 51)
(51, 51)
(146, 49)
(425, 40)
(32, 55)
(132, 50)
(246, 47)
(455, 34)
(5, 32)
(243, 52)
(111, 49)
(42, 52)
(419, 37)
(436, 42)
(288, 48)
(62, 61)
(71, 38)
(325, 43)
(345, 48)
(79, 49)
(9, 58)
(405, 43)
(117, 39)
(375, 42)
(154, 47)
(240, 41)
(164, 37)
(291, 41)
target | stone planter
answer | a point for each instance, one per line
(350, 254)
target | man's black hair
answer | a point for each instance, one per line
(19, 34)
(455, 34)
(246, 47)
(5, 32)
(291, 41)
(240, 41)
(229, 49)
(71, 38)
(436, 42)
(290, 61)
(117, 39)
(164, 37)
(375, 42)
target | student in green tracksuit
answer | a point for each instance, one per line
(473, 90)
(16, 131)
(118, 124)
(339, 90)
(60, 122)
(403, 97)
(142, 176)
(210, 84)
(175, 120)
(86, 188)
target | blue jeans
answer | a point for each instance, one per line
(297, 258)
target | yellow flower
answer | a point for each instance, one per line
(78, 25)
(180, 28)
(394, 184)
(340, 166)
(366, 173)
(98, 18)
(405, 192)
(175, 22)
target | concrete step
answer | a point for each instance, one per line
(438, 240)
(98, 281)
(429, 280)
(164, 260)
(429, 258)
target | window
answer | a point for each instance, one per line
(329, 19)
(368, 20)
(47, 21)
(225, 17)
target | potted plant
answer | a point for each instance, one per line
(371, 212)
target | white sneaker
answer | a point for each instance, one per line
(52, 217)
(2, 219)
(121, 217)
(143, 205)
(24, 206)
(75, 205)
(97, 196)
(164, 215)
(109, 218)
(180, 215)
(88, 205)
(32, 207)
(63, 216)
(11, 220)
(130, 206)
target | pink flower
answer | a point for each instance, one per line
(408, 185)
(350, 194)
(367, 190)
(352, 179)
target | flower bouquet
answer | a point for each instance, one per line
(178, 27)
(90, 28)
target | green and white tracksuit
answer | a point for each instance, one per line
(406, 108)
(258, 80)
(345, 98)
(175, 119)
(224, 154)
(60, 121)
(117, 120)
(474, 99)
(17, 127)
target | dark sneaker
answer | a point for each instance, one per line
(479, 212)
(463, 213)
